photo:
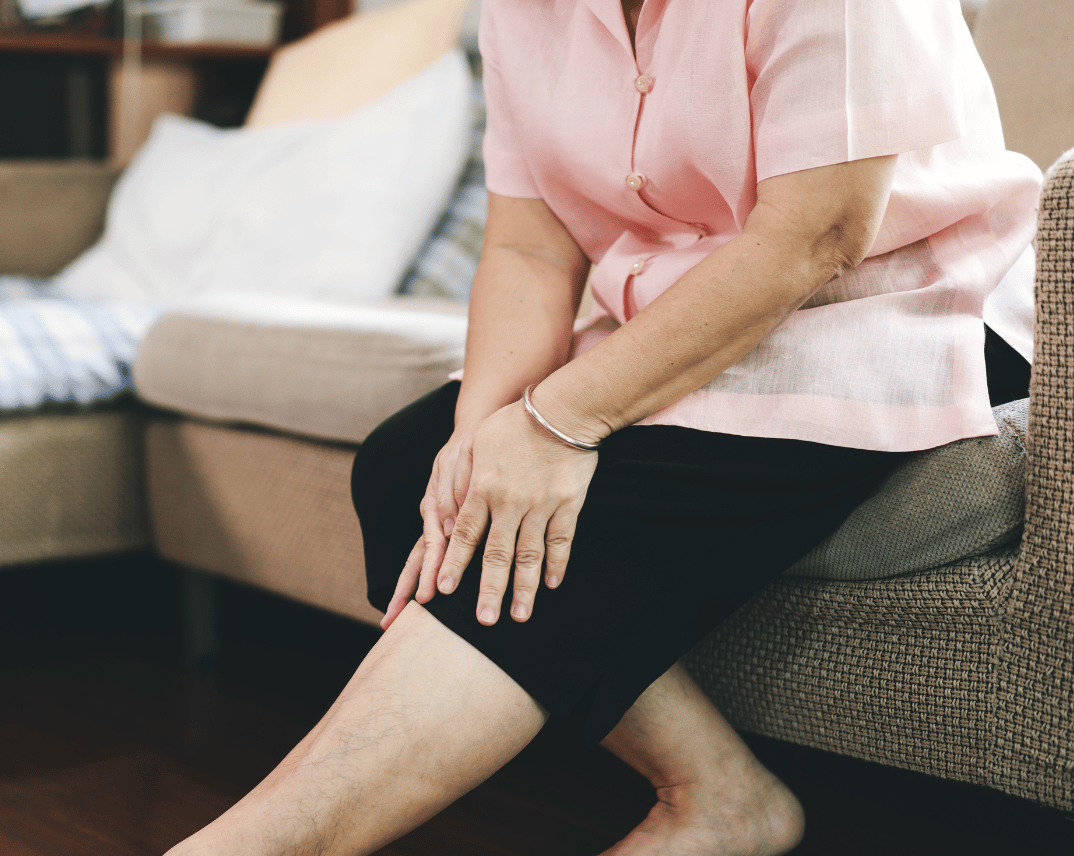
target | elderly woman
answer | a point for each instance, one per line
(797, 217)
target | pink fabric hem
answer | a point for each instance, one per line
(824, 420)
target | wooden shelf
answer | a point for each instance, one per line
(77, 44)
(68, 94)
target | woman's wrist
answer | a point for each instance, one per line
(478, 403)
(564, 409)
(549, 428)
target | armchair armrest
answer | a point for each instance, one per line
(1034, 753)
(50, 212)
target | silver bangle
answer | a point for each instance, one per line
(559, 435)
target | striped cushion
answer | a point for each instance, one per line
(446, 264)
(64, 350)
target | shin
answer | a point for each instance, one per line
(425, 718)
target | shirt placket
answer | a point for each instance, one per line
(636, 180)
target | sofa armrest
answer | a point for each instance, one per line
(50, 211)
(1035, 750)
(330, 372)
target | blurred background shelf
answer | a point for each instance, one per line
(66, 92)
(79, 44)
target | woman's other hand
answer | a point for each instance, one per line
(525, 490)
(444, 494)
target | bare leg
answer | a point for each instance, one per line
(714, 797)
(424, 720)
(427, 717)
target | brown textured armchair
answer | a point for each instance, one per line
(966, 671)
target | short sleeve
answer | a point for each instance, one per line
(841, 80)
(506, 170)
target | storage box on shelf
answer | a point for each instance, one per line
(246, 22)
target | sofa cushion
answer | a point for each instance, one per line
(325, 371)
(963, 499)
(50, 211)
(335, 209)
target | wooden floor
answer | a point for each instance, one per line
(109, 744)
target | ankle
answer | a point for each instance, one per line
(753, 813)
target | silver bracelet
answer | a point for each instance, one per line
(559, 435)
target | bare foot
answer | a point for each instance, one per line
(753, 814)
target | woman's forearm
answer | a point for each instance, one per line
(522, 306)
(522, 309)
(699, 327)
(806, 229)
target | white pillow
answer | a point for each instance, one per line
(319, 209)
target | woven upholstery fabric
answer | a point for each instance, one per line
(72, 485)
(943, 505)
(260, 508)
(967, 671)
(50, 212)
(899, 672)
(1034, 754)
(332, 372)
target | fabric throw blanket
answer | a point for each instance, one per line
(54, 349)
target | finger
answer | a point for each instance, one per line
(469, 530)
(435, 545)
(496, 566)
(557, 545)
(529, 554)
(464, 468)
(404, 588)
(447, 509)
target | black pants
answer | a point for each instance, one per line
(679, 528)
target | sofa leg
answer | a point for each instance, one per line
(201, 616)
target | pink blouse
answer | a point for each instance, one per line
(652, 162)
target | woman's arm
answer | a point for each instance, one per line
(807, 228)
(522, 306)
(525, 490)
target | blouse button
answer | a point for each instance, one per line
(635, 181)
(637, 267)
(643, 84)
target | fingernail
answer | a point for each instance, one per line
(449, 524)
(520, 611)
(553, 582)
(447, 585)
(488, 615)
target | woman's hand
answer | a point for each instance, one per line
(525, 489)
(444, 494)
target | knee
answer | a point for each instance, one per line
(397, 457)
(371, 469)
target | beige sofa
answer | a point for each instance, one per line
(965, 672)
(73, 480)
